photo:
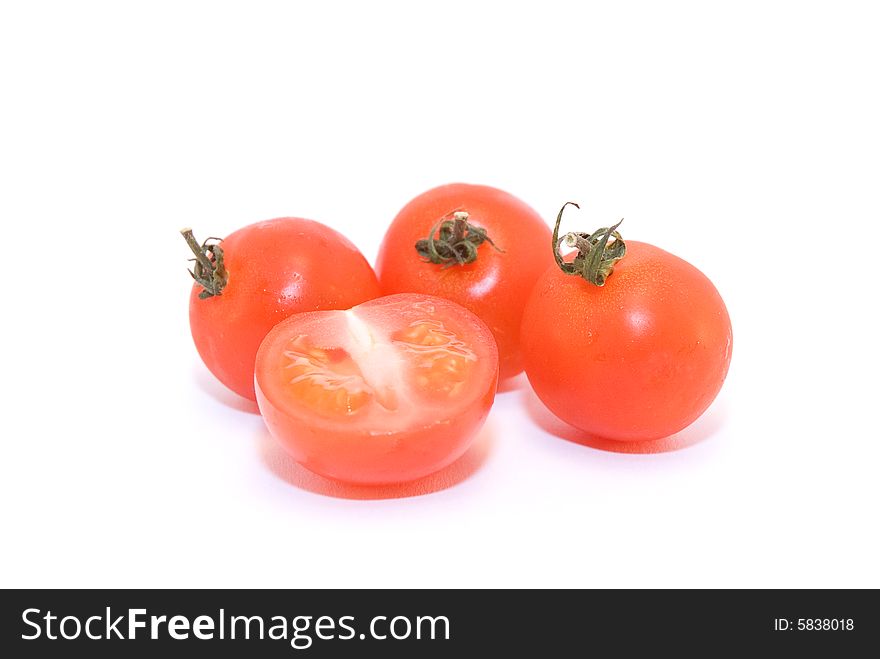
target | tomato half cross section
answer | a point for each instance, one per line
(389, 391)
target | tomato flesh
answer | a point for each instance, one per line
(388, 391)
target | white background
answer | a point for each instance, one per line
(743, 137)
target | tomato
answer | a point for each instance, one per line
(638, 358)
(388, 391)
(271, 270)
(505, 238)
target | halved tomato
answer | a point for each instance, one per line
(388, 391)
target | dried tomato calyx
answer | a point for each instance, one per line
(208, 269)
(456, 241)
(597, 252)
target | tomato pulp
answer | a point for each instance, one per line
(388, 391)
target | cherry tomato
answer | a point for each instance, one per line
(258, 276)
(488, 268)
(388, 391)
(638, 358)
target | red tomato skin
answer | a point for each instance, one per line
(276, 268)
(640, 358)
(352, 453)
(494, 286)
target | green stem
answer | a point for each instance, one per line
(596, 252)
